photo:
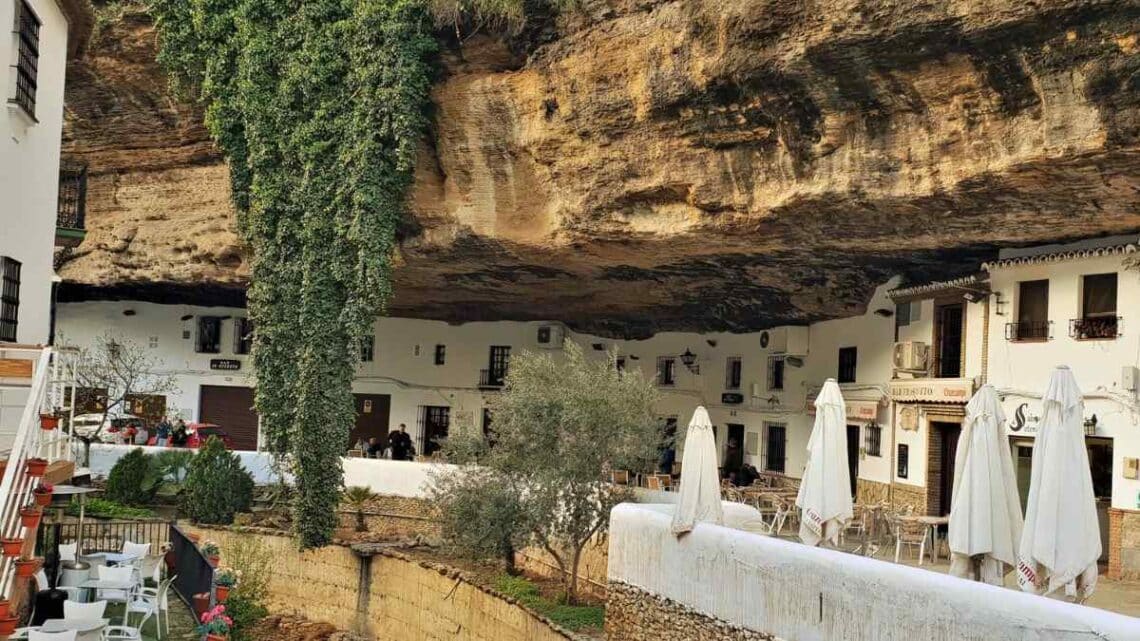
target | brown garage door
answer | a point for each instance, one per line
(231, 408)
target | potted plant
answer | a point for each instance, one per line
(8, 626)
(215, 624)
(26, 568)
(49, 422)
(30, 516)
(211, 551)
(5, 608)
(42, 494)
(224, 580)
(36, 466)
(12, 548)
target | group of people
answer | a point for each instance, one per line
(165, 433)
(397, 447)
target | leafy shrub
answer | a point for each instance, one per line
(132, 480)
(253, 561)
(571, 617)
(172, 465)
(217, 486)
(102, 508)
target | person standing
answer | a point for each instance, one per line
(409, 450)
(396, 443)
(162, 432)
(180, 434)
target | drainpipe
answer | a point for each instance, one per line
(985, 340)
(363, 594)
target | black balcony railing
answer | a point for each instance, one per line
(491, 378)
(72, 198)
(1096, 328)
(1029, 331)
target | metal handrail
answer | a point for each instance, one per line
(16, 486)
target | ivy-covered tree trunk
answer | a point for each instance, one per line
(319, 107)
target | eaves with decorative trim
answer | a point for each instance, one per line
(1055, 257)
(973, 282)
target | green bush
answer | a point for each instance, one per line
(102, 508)
(245, 612)
(217, 486)
(132, 481)
(571, 617)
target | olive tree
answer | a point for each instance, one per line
(561, 423)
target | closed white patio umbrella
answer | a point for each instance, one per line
(825, 491)
(985, 512)
(699, 498)
(1060, 543)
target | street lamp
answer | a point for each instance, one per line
(688, 358)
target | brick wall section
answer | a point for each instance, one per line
(381, 593)
(1123, 544)
(635, 615)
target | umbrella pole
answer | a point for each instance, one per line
(79, 535)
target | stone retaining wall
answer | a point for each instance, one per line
(383, 594)
(636, 615)
(395, 517)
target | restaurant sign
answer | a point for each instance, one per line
(227, 364)
(958, 390)
(862, 405)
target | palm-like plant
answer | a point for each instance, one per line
(357, 496)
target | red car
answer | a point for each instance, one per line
(199, 432)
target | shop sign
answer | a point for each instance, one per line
(932, 391)
(227, 364)
(1024, 421)
(908, 418)
(731, 398)
(860, 409)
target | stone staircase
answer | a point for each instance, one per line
(37, 403)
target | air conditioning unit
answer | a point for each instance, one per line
(911, 356)
(785, 340)
(551, 336)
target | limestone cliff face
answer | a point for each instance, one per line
(690, 164)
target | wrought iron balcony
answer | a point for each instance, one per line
(1029, 331)
(72, 211)
(489, 379)
(1096, 328)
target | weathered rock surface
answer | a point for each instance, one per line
(690, 164)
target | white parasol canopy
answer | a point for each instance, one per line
(825, 491)
(699, 498)
(1060, 544)
(985, 512)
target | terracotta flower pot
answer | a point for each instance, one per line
(42, 499)
(201, 603)
(26, 568)
(5, 608)
(221, 593)
(8, 626)
(49, 421)
(12, 548)
(213, 560)
(30, 517)
(36, 466)
(215, 637)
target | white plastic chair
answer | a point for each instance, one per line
(76, 610)
(125, 574)
(139, 550)
(154, 601)
(126, 632)
(68, 551)
(36, 635)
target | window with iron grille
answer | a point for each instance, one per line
(904, 460)
(775, 373)
(666, 370)
(732, 373)
(440, 354)
(243, 335)
(9, 298)
(775, 447)
(874, 440)
(209, 339)
(848, 357)
(367, 349)
(28, 57)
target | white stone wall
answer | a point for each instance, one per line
(29, 165)
(801, 593)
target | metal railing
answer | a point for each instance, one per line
(491, 378)
(1029, 331)
(109, 536)
(1096, 328)
(194, 573)
(72, 210)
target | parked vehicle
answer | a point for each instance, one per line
(199, 432)
(85, 426)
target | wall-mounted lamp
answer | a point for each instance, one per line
(688, 359)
